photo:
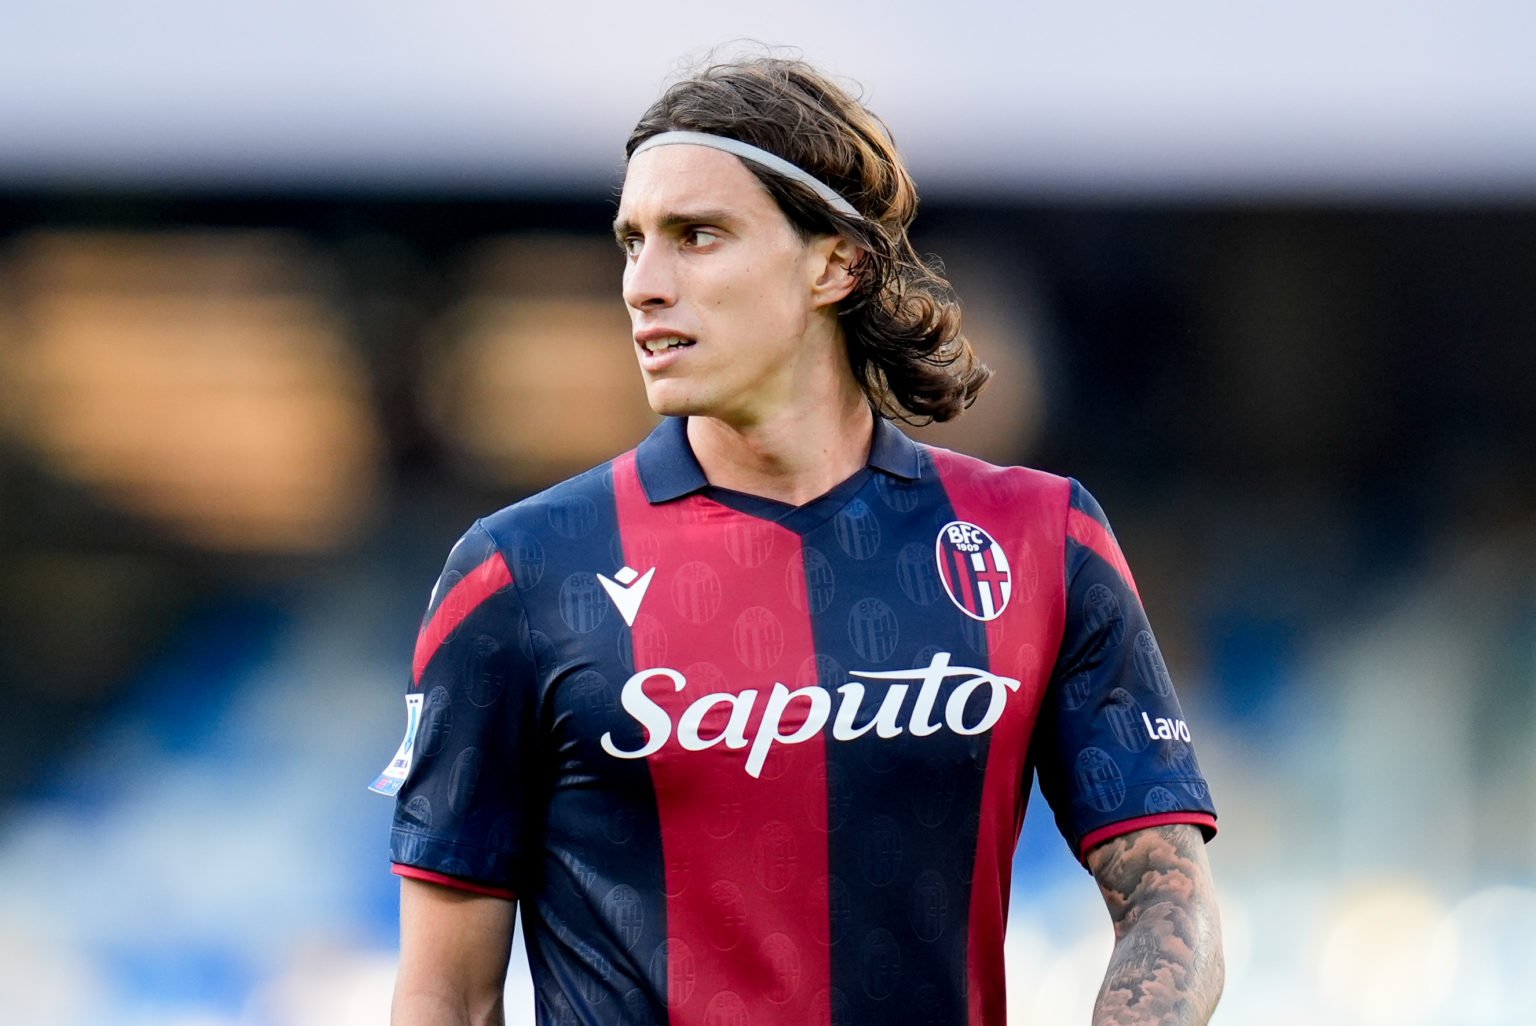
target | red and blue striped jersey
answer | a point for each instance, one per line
(744, 762)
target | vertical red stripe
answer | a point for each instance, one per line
(462, 599)
(1024, 512)
(963, 575)
(746, 858)
(947, 568)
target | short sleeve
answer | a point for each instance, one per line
(463, 812)
(1113, 749)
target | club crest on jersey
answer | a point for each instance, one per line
(974, 570)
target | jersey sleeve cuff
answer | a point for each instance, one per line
(1093, 838)
(452, 881)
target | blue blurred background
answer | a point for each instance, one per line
(290, 294)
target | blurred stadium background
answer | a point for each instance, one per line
(290, 294)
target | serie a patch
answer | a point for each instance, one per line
(392, 779)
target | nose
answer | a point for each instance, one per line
(649, 281)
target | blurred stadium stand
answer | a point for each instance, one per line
(240, 432)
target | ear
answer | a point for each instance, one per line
(837, 269)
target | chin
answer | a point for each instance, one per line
(672, 402)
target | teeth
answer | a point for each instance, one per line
(658, 345)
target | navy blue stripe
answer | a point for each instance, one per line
(902, 856)
(586, 934)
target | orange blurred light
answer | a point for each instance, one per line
(536, 379)
(194, 379)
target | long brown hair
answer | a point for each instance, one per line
(902, 321)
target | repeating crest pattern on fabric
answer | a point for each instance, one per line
(974, 569)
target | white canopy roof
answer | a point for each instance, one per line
(1179, 97)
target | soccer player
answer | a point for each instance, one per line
(745, 719)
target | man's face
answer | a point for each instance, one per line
(722, 292)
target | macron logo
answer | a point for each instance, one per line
(627, 591)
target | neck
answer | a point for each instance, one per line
(792, 457)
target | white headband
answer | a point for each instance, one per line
(746, 151)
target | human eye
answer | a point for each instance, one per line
(700, 236)
(631, 244)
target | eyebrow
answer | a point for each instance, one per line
(624, 226)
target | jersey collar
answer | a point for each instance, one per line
(669, 470)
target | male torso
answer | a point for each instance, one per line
(773, 767)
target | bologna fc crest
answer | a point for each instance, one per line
(974, 570)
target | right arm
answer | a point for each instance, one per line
(454, 947)
(474, 726)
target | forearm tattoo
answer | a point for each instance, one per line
(1167, 966)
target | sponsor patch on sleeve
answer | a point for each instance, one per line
(393, 778)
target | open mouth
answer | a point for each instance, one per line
(662, 345)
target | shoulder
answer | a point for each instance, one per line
(965, 476)
(563, 510)
(960, 471)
